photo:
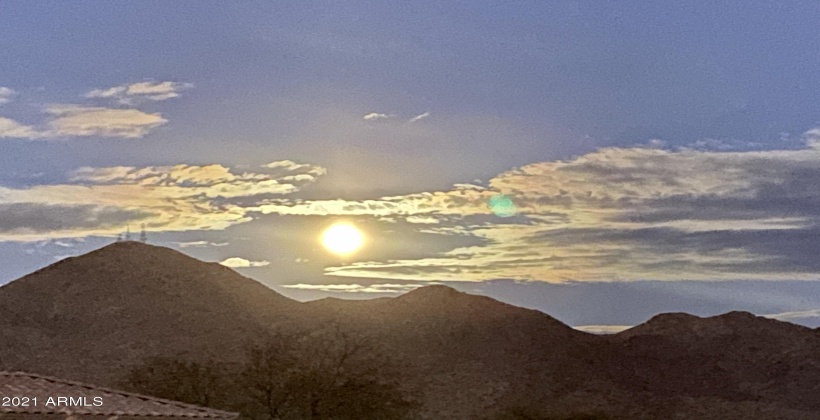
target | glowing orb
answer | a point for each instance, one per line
(342, 238)
(502, 206)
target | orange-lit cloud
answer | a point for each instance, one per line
(103, 201)
(77, 121)
(615, 214)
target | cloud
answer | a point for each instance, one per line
(421, 220)
(102, 201)
(12, 129)
(304, 169)
(602, 329)
(200, 244)
(6, 95)
(285, 164)
(375, 116)
(35, 218)
(724, 145)
(615, 214)
(74, 120)
(206, 180)
(356, 288)
(236, 262)
(78, 121)
(419, 117)
(140, 92)
(795, 315)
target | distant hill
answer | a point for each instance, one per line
(736, 356)
(92, 317)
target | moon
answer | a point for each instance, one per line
(342, 238)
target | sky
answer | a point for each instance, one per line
(599, 161)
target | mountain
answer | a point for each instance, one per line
(735, 356)
(112, 307)
(472, 354)
(91, 317)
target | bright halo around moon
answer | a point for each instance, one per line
(342, 238)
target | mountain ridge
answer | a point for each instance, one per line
(89, 317)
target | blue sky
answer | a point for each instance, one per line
(657, 157)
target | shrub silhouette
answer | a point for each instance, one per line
(329, 374)
(193, 382)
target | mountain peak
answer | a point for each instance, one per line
(438, 295)
(681, 319)
(673, 318)
(680, 324)
(134, 247)
(433, 291)
(93, 316)
(135, 292)
(736, 316)
(129, 243)
(438, 300)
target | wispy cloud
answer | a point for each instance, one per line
(795, 315)
(75, 120)
(296, 170)
(12, 129)
(725, 145)
(375, 116)
(237, 262)
(200, 244)
(6, 95)
(616, 214)
(419, 117)
(424, 220)
(602, 329)
(378, 116)
(101, 201)
(33, 218)
(130, 94)
(356, 288)
(68, 120)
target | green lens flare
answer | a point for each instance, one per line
(502, 206)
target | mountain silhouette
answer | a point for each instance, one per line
(92, 317)
(735, 356)
(111, 307)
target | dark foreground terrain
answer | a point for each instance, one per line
(99, 316)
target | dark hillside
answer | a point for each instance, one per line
(87, 316)
(94, 317)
